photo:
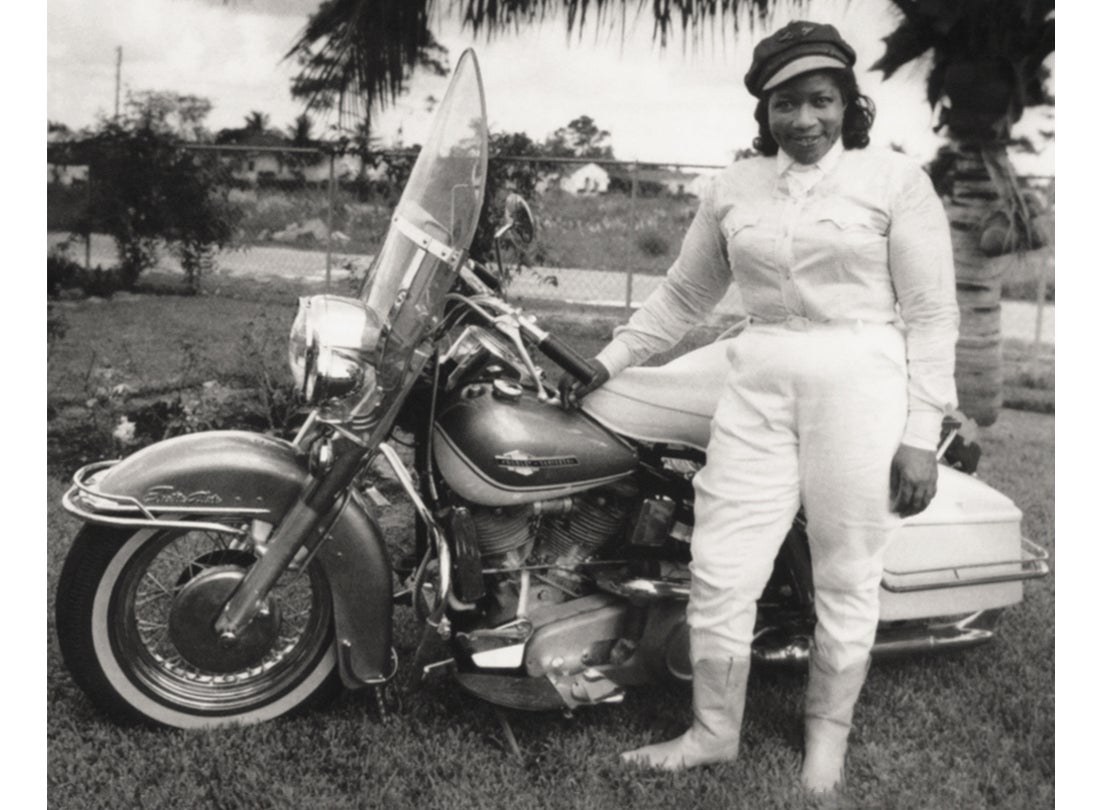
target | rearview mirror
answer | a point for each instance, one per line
(517, 215)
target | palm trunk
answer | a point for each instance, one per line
(976, 191)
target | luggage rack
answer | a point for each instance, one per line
(1032, 565)
(81, 497)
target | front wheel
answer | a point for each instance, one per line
(135, 618)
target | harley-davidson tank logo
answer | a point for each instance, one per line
(165, 495)
(523, 463)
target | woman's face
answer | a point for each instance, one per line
(805, 116)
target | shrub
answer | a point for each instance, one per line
(62, 273)
(651, 243)
(147, 191)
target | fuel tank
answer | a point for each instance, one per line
(496, 444)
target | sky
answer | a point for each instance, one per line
(683, 104)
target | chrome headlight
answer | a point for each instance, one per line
(332, 347)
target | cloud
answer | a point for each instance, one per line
(684, 103)
(224, 52)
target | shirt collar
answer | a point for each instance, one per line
(826, 164)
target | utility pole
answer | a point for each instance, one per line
(118, 77)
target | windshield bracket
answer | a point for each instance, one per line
(427, 242)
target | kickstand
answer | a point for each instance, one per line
(506, 727)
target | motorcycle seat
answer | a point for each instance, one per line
(672, 404)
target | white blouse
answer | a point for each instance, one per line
(861, 236)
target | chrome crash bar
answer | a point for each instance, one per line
(1032, 565)
(82, 497)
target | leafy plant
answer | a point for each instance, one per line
(652, 243)
(63, 273)
(148, 192)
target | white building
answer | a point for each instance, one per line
(591, 178)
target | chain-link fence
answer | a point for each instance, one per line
(608, 230)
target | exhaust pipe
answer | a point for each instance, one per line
(891, 642)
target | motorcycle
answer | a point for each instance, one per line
(230, 577)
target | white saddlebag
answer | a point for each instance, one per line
(964, 553)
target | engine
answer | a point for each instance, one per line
(552, 541)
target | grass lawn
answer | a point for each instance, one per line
(973, 730)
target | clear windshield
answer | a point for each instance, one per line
(435, 220)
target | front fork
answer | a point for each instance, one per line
(309, 519)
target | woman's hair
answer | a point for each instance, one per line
(859, 114)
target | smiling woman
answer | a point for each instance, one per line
(805, 116)
(829, 404)
(833, 106)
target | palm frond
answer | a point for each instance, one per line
(356, 55)
(911, 39)
(1016, 35)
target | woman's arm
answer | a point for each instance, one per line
(922, 269)
(694, 285)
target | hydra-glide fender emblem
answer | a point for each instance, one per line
(165, 495)
(523, 463)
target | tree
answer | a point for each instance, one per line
(356, 55)
(256, 122)
(987, 65)
(149, 192)
(58, 130)
(167, 112)
(301, 130)
(580, 138)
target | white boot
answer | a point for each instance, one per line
(830, 701)
(718, 702)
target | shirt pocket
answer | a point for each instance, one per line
(848, 217)
(743, 234)
(853, 236)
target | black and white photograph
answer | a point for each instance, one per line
(536, 404)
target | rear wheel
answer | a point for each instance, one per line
(135, 620)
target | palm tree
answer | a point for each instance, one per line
(358, 54)
(256, 121)
(987, 65)
(301, 131)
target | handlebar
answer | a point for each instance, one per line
(558, 351)
(565, 356)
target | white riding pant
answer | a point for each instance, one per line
(811, 413)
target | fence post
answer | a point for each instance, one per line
(331, 205)
(88, 222)
(633, 229)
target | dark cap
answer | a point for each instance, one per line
(797, 47)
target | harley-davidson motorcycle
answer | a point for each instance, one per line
(227, 576)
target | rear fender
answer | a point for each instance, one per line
(219, 474)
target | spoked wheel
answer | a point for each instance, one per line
(135, 619)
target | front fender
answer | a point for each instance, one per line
(218, 472)
(224, 473)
